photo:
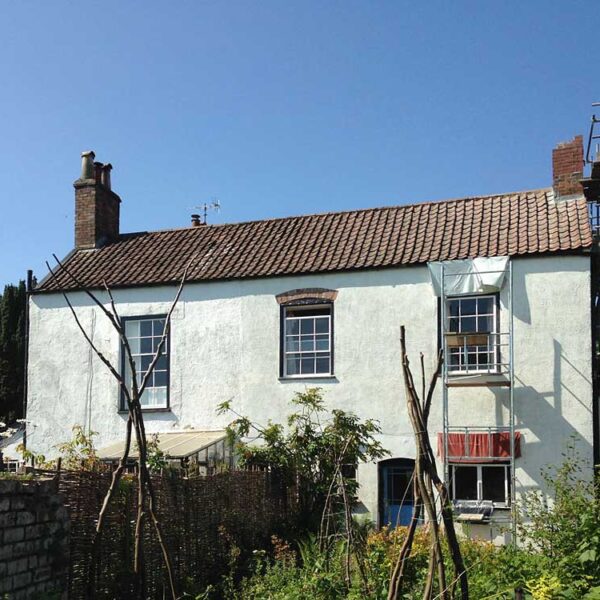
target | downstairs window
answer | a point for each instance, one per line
(481, 482)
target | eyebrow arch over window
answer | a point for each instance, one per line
(306, 294)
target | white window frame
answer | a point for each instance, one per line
(494, 348)
(480, 467)
(328, 313)
(137, 355)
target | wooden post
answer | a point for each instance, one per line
(57, 475)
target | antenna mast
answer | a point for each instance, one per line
(213, 205)
(593, 136)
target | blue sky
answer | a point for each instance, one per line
(279, 107)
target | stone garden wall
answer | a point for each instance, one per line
(34, 540)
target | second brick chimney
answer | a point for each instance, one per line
(96, 205)
(567, 167)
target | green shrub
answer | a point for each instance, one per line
(558, 557)
(566, 530)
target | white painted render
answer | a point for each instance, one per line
(225, 345)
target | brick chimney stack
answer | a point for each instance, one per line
(567, 167)
(96, 205)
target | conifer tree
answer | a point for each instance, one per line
(12, 351)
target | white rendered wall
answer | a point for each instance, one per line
(225, 345)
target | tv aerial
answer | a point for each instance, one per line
(205, 207)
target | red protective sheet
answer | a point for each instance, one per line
(479, 446)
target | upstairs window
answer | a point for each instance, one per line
(476, 350)
(481, 482)
(307, 341)
(144, 335)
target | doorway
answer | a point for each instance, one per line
(396, 491)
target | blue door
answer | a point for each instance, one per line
(396, 491)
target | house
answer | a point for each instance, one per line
(502, 282)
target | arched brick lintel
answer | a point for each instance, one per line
(298, 295)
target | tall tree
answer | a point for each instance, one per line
(12, 351)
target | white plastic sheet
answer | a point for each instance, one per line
(481, 275)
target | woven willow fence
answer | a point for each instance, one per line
(204, 519)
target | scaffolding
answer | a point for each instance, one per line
(478, 359)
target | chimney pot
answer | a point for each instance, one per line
(105, 176)
(98, 171)
(87, 164)
(196, 221)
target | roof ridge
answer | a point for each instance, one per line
(339, 212)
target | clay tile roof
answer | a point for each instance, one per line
(508, 224)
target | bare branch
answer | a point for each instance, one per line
(114, 318)
(112, 304)
(85, 290)
(99, 354)
(432, 383)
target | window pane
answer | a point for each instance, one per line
(322, 342)
(465, 483)
(158, 327)
(161, 363)
(485, 306)
(323, 365)
(145, 328)
(493, 483)
(468, 306)
(307, 344)
(146, 346)
(485, 323)
(134, 345)
(146, 360)
(292, 344)
(146, 397)
(160, 378)
(322, 325)
(307, 365)
(152, 401)
(307, 326)
(471, 358)
(292, 326)
(453, 324)
(485, 360)
(160, 396)
(454, 356)
(468, 324)
(132, 328)
(399, 485)
(453, 308)
(292, 366)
